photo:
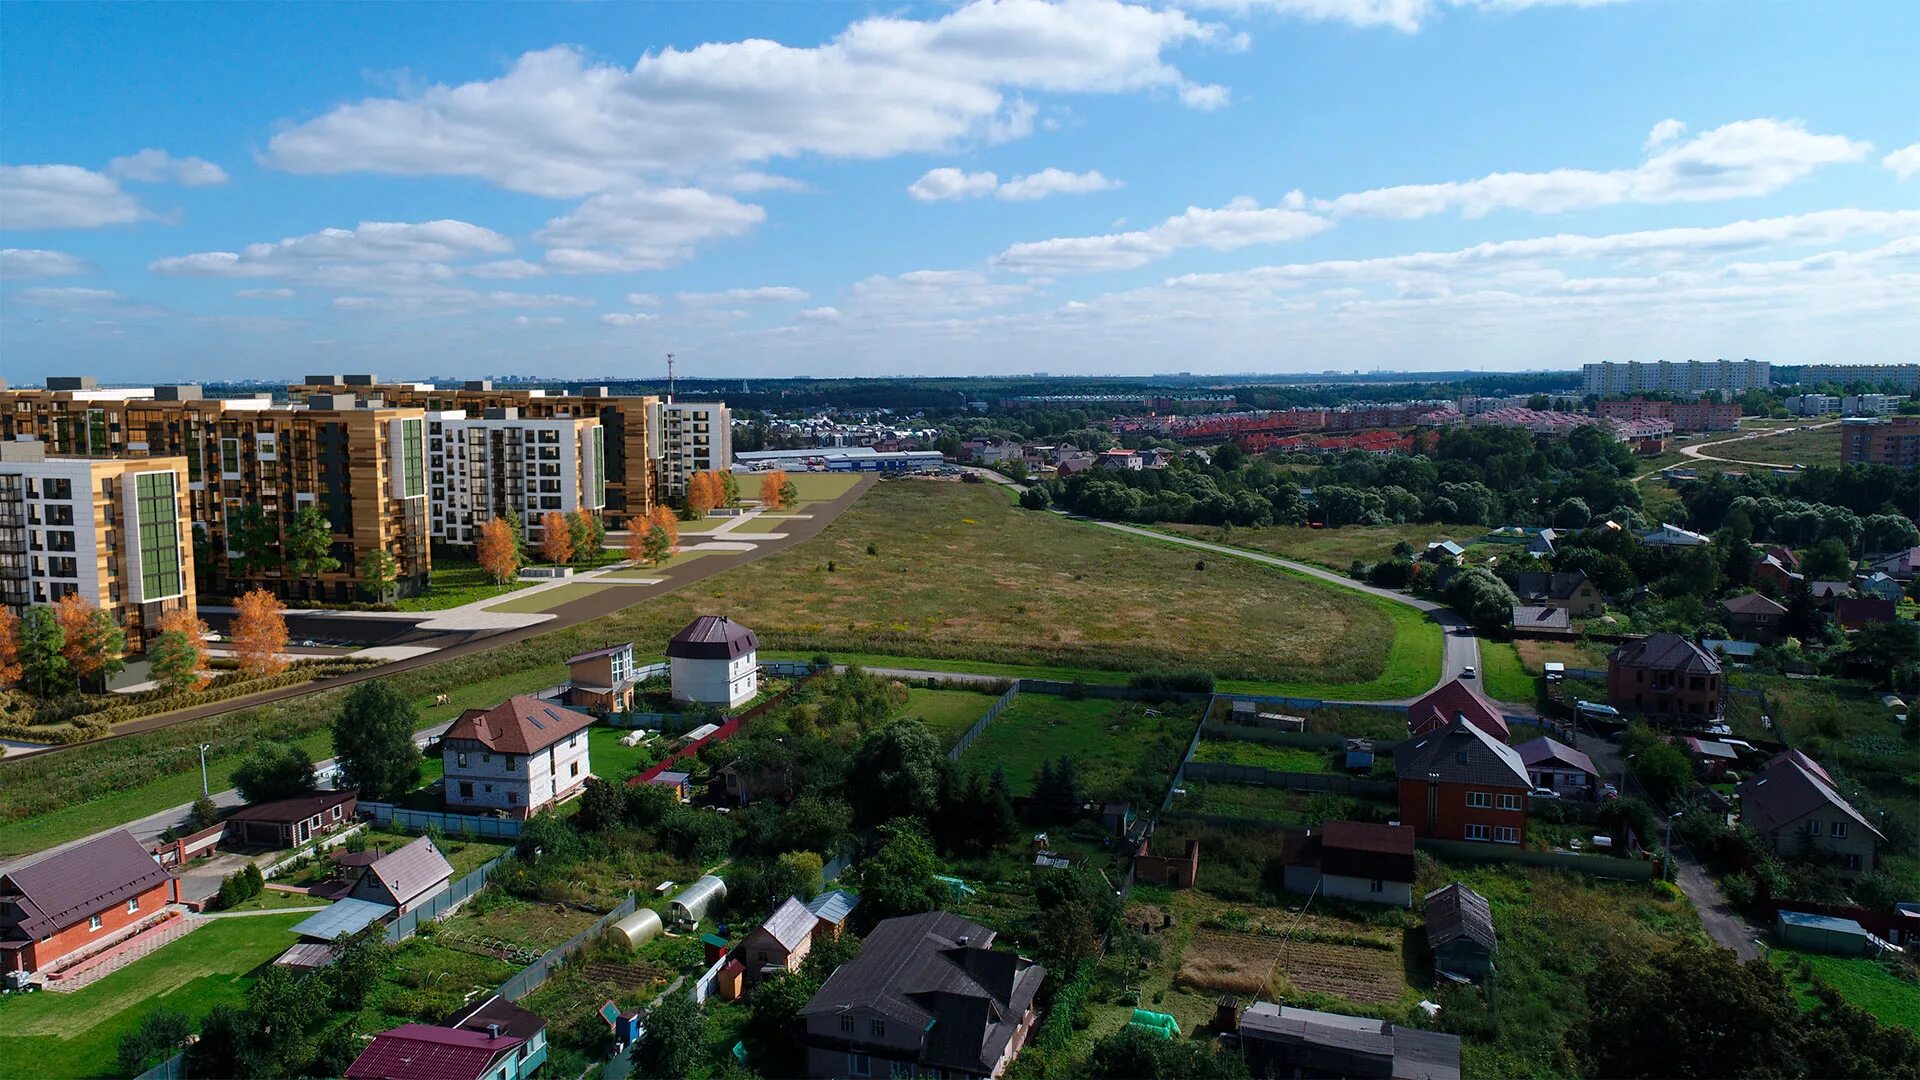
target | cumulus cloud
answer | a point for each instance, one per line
(1904, 162)
(1241, 223)
(507, 270)
(316, 256)
(627, 319)
(63, 197)
(640, 299)
(645, 229)
(766, 294)
(264, 294)
(560, 124)
(1663, 133)
(27, 264)
(951, 183)
(157, 166)
(1406, 16)
(1738, 160)
(436, 300)
(922, 292)
(821, 314)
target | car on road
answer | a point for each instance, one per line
(1468, 672)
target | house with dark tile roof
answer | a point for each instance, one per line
(1559, 768)
(1460, 783)
(77, 902)
(1460, 931)
(1794, 803)
(1352, 860)
(927, 994)
(1754, 617)
(1566, 590)
(1666, 676)
(286, 823)
(1456, 700)
(714, 660)
(517, 758)
(496, 1016)
(426, 1052)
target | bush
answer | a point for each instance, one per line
(1191, 680)
(1740, 890)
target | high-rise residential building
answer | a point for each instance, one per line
(1902, 377)
(480, 467)
(694, 436)
(626, 421)
(363, 465)
(1676, 377)
(1892, 441)
(113, 530)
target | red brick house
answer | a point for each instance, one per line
(1666, 675)
(1174, 871)
(80, 900)
(1455, 700)
(1461, 783)
(1754, 617)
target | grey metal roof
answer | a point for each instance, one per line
(1455, 911)
(64, 888)
(343, 917)
(1537, 585)
(1460, 752)
(411, 870)
(1415, 1054)
(1753, 603)
(790, 924)
(1532, 617)
(833, 906)
(1545, 749)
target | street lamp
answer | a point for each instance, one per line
(1668, 845)
(204, 747)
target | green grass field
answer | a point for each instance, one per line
(764, 524)
(275, 900)
(808, 486)
(613, 762)
(1873, 985)
(456, 581)
(1265, 755)
(1502, 676)
(646, 570)
(1104, 738)
(947, 713)
(1809, 448)
(78, 1034)
(1277, 806)
(1335, 549)
(548, 599)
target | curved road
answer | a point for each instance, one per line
(1699, 452)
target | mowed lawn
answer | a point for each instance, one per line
(1335, 549)
(613, 762)
(1105, 739)
(456, 581)
(764, 524)
(947, 713)
(1502, 676)
(78, 1034)
(808, 486)
(549, 599)
(1870, 984)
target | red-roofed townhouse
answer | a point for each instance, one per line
(76, 902)
(519, 757)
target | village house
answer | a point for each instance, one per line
(1554, 766)
(1280, 1040)
(1442, 551)
(496, 1016)
(403, 877)
(1881, 586)
(1711, 758)
(427, 1052)
(1527, 617)
(1173, 871)
(1566, 590)
(1455, 700)
(517, 758)
(289, 823)
(1779, 572)
(1460, 931)
(1666, 675)
(1854, 612)
(1121, 458)
(1901, 565)
(1461, 783)
(77, 902)
(1753, 617)
(1827, 593)
(1668, 535)
(1351, 860)
(926, 996)
(779, 944)
(831, 910)
(602, 679)
(715, 660)
(1077, 462)
(1793, 803)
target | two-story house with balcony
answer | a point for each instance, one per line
(1460, 783)
(1666, 676)
(517, 758)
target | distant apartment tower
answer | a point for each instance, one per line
(1811, 404)
(1902, 377)
(1870, 404)
(113, 530)
(694, 436)
(1894, 441)
(478, 468)
(361, 464)
(1676, 376)
(627, 442)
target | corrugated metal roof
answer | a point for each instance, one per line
(64, 888)
(833, 906)
(425, 1052)
(343, 917)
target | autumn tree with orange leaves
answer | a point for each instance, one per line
(556, 538)
(9, 647)
(94, 641)
(259, 633)
(772, 489)
(178, 652)
(664, 518)
(498, 550)
(703, 494)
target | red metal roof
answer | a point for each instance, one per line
(425, 1052)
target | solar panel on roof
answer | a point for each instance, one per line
(535, 721)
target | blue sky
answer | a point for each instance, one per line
(219, 191)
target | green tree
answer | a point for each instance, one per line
(159, 1034)
(1828, 561)
(801, 872)
(673, 1040)
(899, 766)
(102, 640)
(272, 771)
(174, 661)
(658, 545)
(1134, 1052)
(373, 740)
(203, 814)
(1665, 772)
(310, 543)
(378, 572)
(512, 518)
(898, 879)
(257, 539)
(1037, 497)
(789, 494)
(1228, 457)
(41, 645)
(1876, 649)
(730, 489)
(579, 533)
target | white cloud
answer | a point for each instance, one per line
(634, 319)
(264, 294)
(1241, 223)
(544, 320)
(70, 296)
(765, 294)
(646, 229)
(821, 314)
(26, 264)
(507, 270)
(1205, 98)
(558, 123)
(1406, 16)
(922, 292)
(340, 255)
(951, 183)
(63, 197)
(435, 300)
(1904, 162)
(1663, 133)
(1738, 160)
(157, 166)
(640, 299)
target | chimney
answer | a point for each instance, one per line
(493, 1031)
(966, 941)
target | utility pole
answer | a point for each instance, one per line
(204, 747)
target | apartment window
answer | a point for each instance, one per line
(1509, 802)
(846, 1024)
(513, 798)
(94, 923)
(466, 789)
(230, 458)
(133, 905)
(576, 769)
(599, 466)
(859, 1065)
(157, 505)
(1479, 800)
(509, 762)
(1478, 832)
(1506, 834)
(878, 1027)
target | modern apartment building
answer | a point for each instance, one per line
(1870, 404)
(627, 443)
(362, 464)
(693, 437)
(1676, 377)
(1902, 377)
(1686, 416)
(1874, 441)
(114, 530)
(479, 467)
